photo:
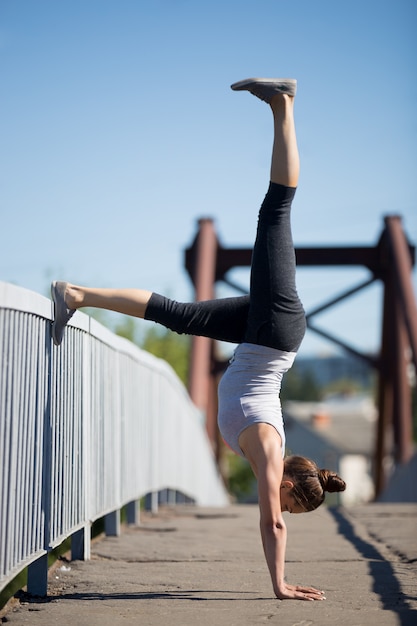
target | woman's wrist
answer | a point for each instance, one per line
(280, 587)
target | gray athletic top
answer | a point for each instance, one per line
(249, 391)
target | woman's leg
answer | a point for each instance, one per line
(223, 319)
(285, 161)
(128, 301)
(67, 298)
(276, 316)
(279, 93)
(273, 301)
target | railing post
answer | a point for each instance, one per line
(81, 544)
(133, 513)
(37, 583)
(151, 502)
(112, 524)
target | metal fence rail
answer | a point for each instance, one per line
(84, 430)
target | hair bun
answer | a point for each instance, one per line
(330, 481)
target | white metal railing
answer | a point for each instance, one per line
(84, 430)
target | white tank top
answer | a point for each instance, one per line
(249, 392)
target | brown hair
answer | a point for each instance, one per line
(310, 482)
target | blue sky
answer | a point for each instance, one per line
(119, 130)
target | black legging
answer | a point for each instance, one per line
(272, 315)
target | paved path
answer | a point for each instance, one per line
(205, 567)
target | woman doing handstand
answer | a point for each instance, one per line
(268, 325)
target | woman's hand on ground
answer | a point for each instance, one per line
(296, 592)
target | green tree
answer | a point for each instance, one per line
(173, 348)
(344, 387)
(300, 386)
(241, 481)
(159, 341)
(127, 327)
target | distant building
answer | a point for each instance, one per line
(338, 434)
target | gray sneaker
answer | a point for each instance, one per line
(62, 314)
(265, 88)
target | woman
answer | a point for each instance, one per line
(268, 325)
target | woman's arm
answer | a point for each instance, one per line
(272, 525)
(262, 446)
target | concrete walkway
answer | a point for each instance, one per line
(198, 567)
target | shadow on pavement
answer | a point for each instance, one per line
(385, 583)
(194, 595)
